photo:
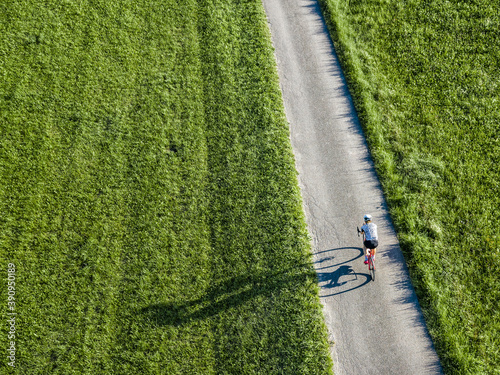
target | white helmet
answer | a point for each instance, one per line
(368, 217)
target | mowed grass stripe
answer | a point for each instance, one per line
(424, 76)
(64, 224)
(149, 199)
(168, 256)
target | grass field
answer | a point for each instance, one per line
(425, 79)
(148, 196)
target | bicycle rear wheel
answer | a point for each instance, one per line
(371, 267)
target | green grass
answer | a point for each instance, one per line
(148, 195)
(425, 80)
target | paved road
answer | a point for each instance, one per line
(377, 327)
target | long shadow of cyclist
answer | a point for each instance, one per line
(228, 293)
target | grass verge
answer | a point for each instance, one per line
(148, 194)
(424, 77)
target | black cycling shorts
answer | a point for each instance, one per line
(371, 244)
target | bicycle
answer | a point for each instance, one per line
(371, 261)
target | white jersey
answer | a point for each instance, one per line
(370, 230)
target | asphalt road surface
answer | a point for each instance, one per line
(377, 327)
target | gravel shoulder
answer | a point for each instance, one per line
(377, 327)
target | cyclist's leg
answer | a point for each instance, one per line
(365, 251)
(374, 245)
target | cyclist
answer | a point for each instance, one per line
(370, 236)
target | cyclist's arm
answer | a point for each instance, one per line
(363, 232)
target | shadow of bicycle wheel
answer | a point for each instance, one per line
(331, 255)
(343, 280)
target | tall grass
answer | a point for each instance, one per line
(148, 196)
(424, 76)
